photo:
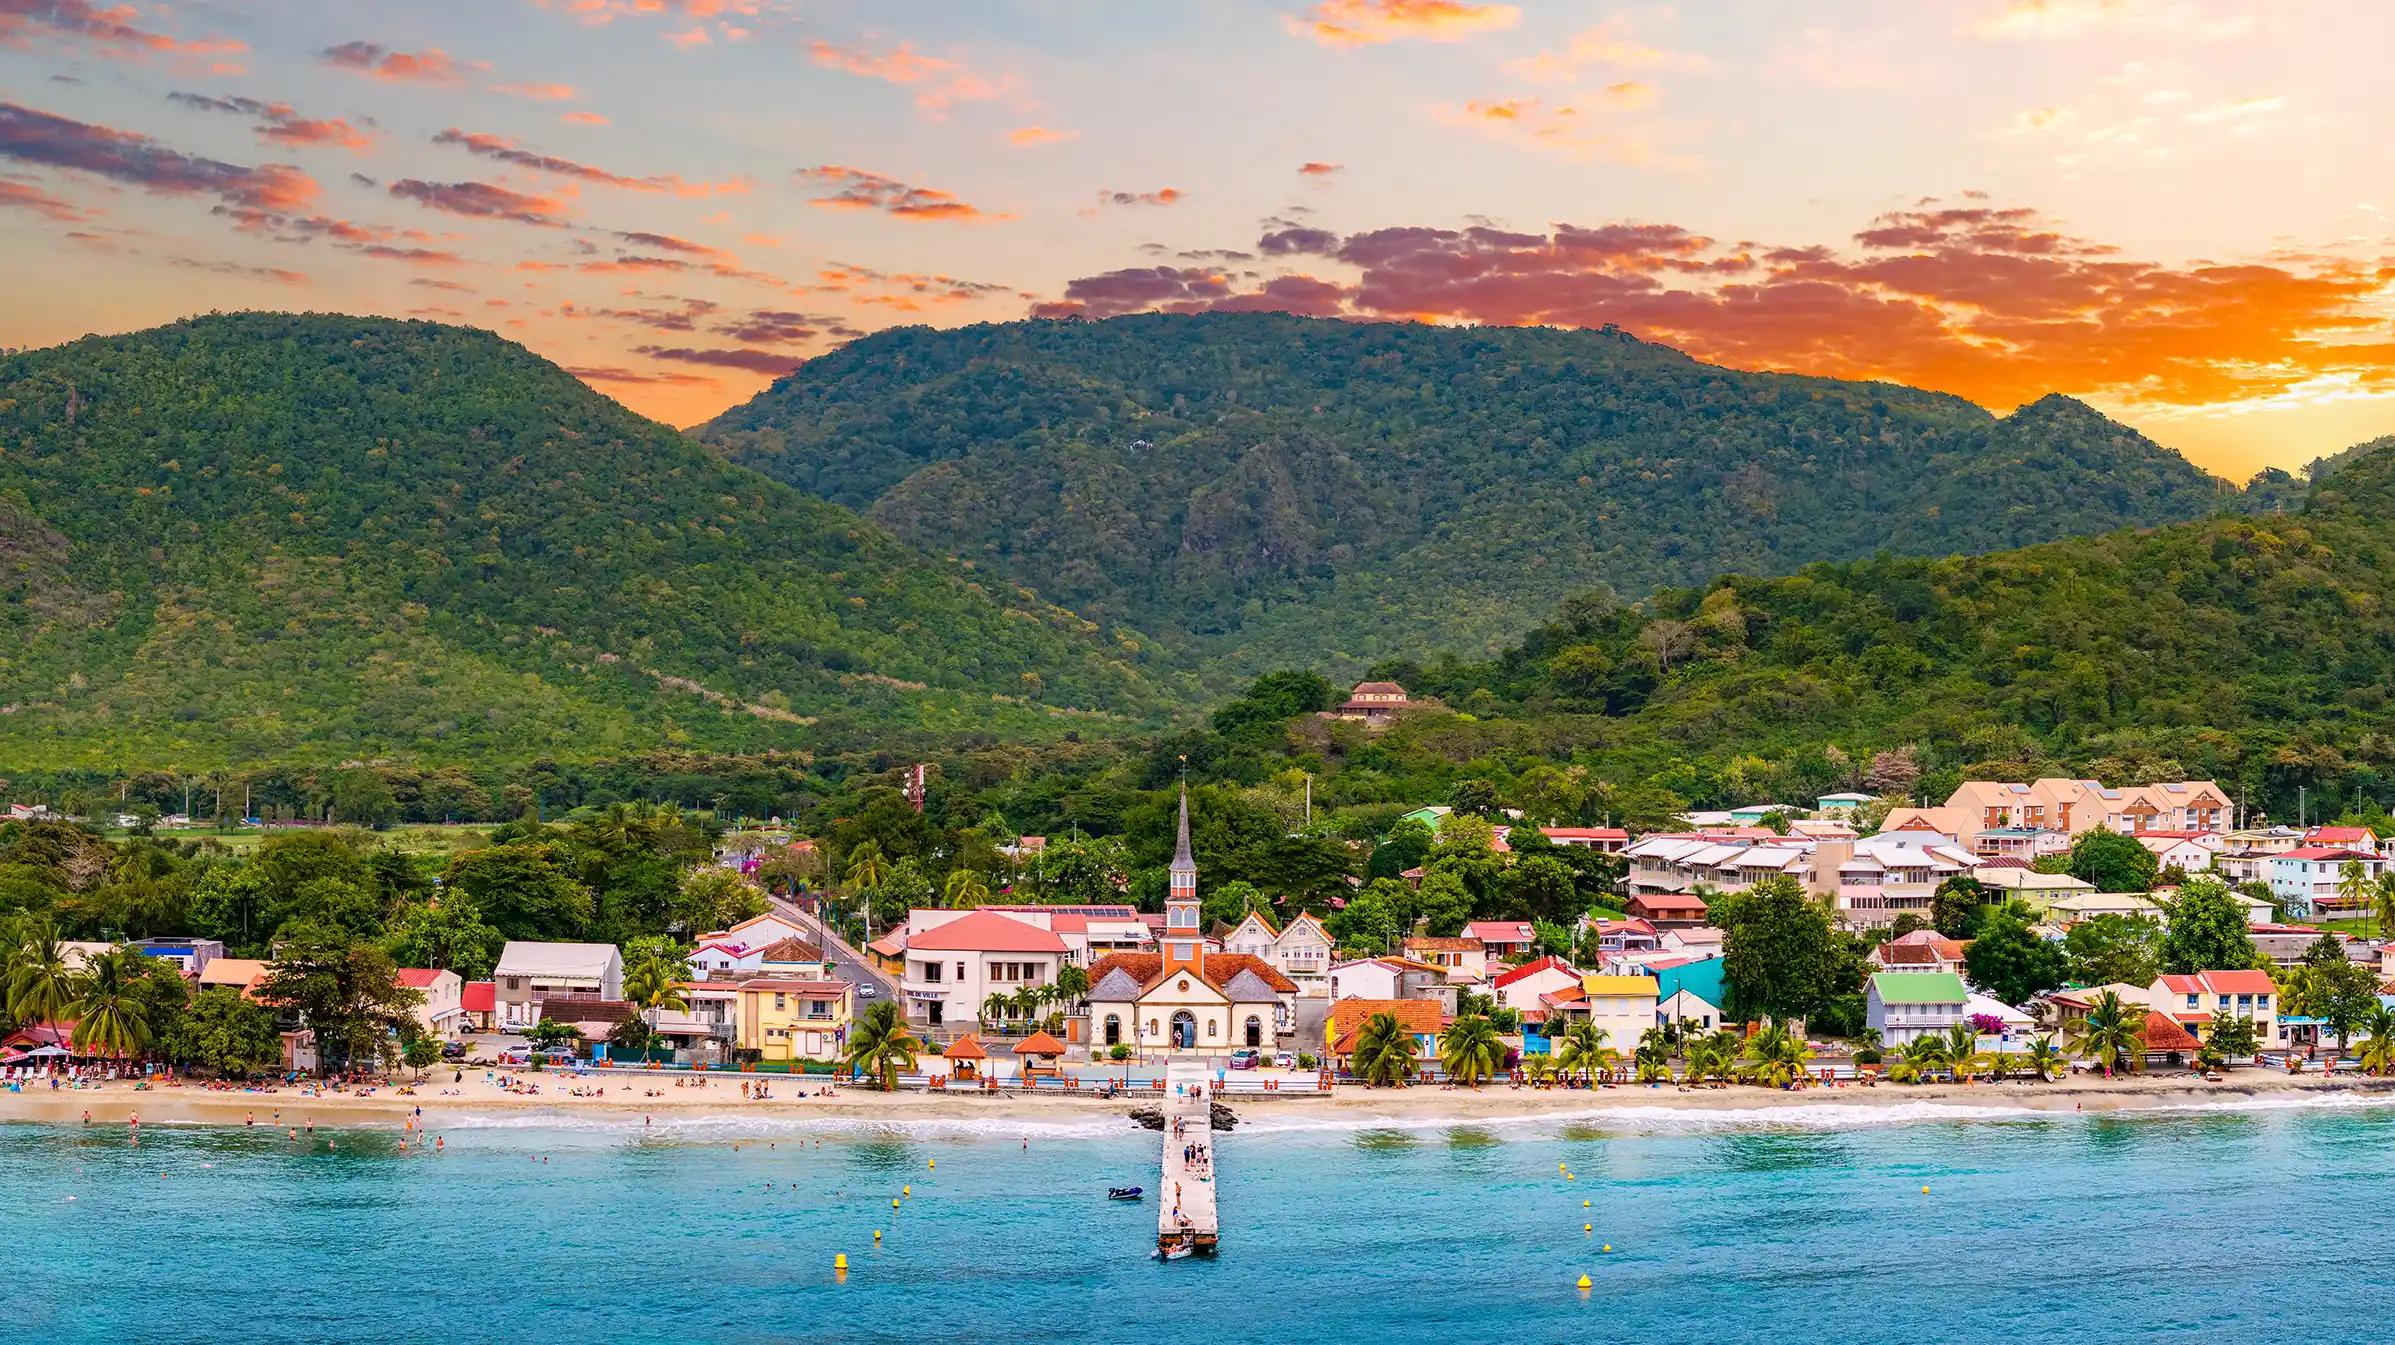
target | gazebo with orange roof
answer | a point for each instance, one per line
(1038, 1054)
(965, 1056)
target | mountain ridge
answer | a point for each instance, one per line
(1256, 489)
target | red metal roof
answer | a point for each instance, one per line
(986, 932)
(480, 997)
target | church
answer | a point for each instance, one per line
(1181, 999)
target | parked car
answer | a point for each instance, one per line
(1246, 1057)
(867, 990)
(453, 1050)
(1285, 1060)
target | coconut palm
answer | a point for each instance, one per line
(1072, 984)
(39, 986)
(1583, 1048)
(2044, 1060)
(2112, 1035)
(1385, 1051)
(1471, 1050)
(1962, 1048)
(995, 1006)
(110, 1018)
(2354, 887)
(868, 868)
(967, 888)
(1539, 1068)
(654, 983)
(881, 1044)
(2378, 1046)
(1777, 1057)
(1920, 1058)
(1654, 1071)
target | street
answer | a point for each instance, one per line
(847, 963)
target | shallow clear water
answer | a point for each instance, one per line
(2260, 1225)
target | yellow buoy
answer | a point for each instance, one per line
(1588, 1228)
(1925, 1190)
(1608, 1246)
(932, 1163)
(906, 1190)
(840, 1261)
(1570, 1177)
(877, 1235)
(1584, 1281)
(1584, 1204)
(893, 1202)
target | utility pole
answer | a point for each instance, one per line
(2302, 818)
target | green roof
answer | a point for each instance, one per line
(1918, 987)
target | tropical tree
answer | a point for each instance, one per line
(2378, 1048)
(2237, 1038)
(2355, 887)
(1385, 1051)
(1072, 984)
(2044, 1059)
(2112, 1035)
(1583, 1049)
(868, 868)
(1539, 1068)
(2382, 901)
(881, 1044)
(40, 986)
(654, 981)
(110, 1018)
(1920, 1058)
(995, 1006)
(1777, 1057)
(966, 888)
(1471, 1050)
(1962, 1049)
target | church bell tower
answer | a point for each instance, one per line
(1184, 943)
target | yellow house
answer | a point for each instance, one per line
(793, 1020)
(1624, 1006)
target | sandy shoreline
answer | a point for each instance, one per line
(625, 1102)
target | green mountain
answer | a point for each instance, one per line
(275, 537)
(1256, 490)
(2256, 649)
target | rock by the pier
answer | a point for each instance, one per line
(1153, 1117)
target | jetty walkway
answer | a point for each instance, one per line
(1185, 1196)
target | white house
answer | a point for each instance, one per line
(1301, 952)
(1519, 987)
(2191, 851)
(530, 973)
(443, 1009)
(954, 966)
(1904, 1005)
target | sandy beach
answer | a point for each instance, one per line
(632, 1100)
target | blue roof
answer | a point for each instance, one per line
(1701, 978)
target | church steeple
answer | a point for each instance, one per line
(1184, 942)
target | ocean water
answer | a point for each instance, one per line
(2261, 1224)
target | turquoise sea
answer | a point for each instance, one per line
(2260, 1225)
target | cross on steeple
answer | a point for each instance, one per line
(1184, 942)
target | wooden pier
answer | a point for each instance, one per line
(1185, 1195)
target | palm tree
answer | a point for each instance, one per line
(1583, 1048)
(654, 982)
(2112, 1034)
(1385, 1051)
(40, 987)
(995, 1006)
(967, 888)
(1539, 1068)
(2354, 886)
(1072, 984)
(2378, 1048)
(868, 868)
(1779, 1056)
(110, 1018)
(1471, 1050)
(1962, 1049)
(880, 1043)
(1654, 1071)
(2383, 902)
(1921, 1057)
(2044, 1060)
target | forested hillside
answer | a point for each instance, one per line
(1259, 489)
(263, 538)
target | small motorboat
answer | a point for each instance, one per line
(1179, 1251)
(1123, 1192)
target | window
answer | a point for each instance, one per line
(779, 1001)
(1211, 1025)
(931, 972)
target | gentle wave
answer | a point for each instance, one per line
(738, 1125)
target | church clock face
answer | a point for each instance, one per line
(1183, 987)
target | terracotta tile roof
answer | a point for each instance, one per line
(1348, 1017)
(1436, 945)
(2161, 1034)
(986, 932)
(1668, 901)
(1221, 970)
(792, 950)
(965, 1047)
(1039, 1043)
(777, 986)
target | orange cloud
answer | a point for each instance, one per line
(582, 118)
(279, 123)
(1160, 196)
(1992, 303)
(939, 82)
(1581, 130)
(429, 66)
(856, 189)
(505, 150)
(1611, 45)
(1313, 168)
(110, 32)
(16, 195)
(30, 135)
(482, 200)
(1039, 135)
(1355, 23)
(539, 93)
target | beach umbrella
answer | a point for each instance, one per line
(49, 1051)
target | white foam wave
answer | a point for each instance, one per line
(735, 1125)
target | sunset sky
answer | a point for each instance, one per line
(2182, 211)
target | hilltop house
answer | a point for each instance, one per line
(1374, 704)
(1503, 940)
(2307, 878)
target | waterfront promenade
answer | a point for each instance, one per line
(1185, 1211)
